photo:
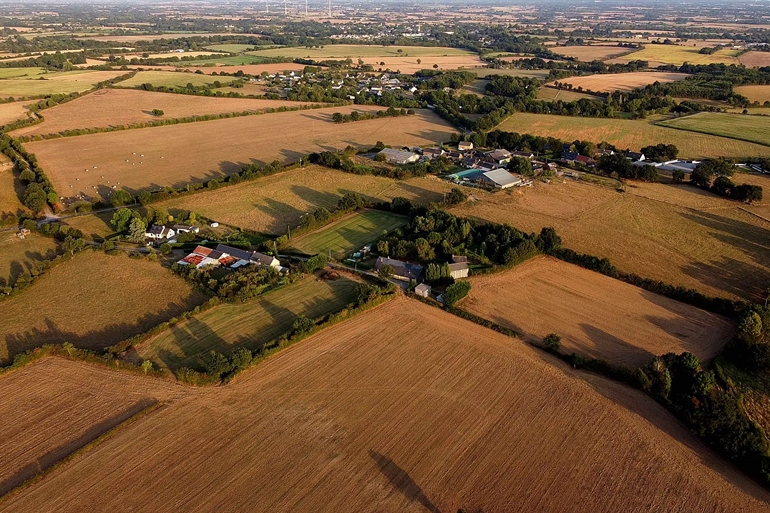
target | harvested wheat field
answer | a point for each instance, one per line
(366, 416)
(678, 234)
(623, 81)
(755, 93)
(595, 315)
(113, 107)
(93, 301)
(659, 54)
(269, 204)
(13, 111)
(174, 155)
(755, 59)
(55, 406)
(631, 134)
(10, 189)
(409, 65)
(592, 52)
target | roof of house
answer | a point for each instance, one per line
(157, 229)
(403, 269)
(499, 154)
(464, 145)
(203, 251)
(182, 227)
(524, 154)
(583, 159)
(569, 155)
(501, 177)
(458, 266)
(398, 155)
(237, 253)
(264, 259)
(634, 155)
(422, 287)
(193, 259)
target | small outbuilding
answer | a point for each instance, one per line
(398, 156)
(422, 290)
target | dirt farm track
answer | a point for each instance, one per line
(150, 158)
(401, 409)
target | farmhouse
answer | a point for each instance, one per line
(432, 152)
(202, 256)
(159, 232)
(398, 156)
(228, 256)
(572, 157)
(635, 156)
(401, 270)
(464, 146)
(524, 154)
(249, 257)
(422, 290)
(458, 270)
(498, 157)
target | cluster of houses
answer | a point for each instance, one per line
(569, 157)
(482, 168)
(362, 83)
(228, 256)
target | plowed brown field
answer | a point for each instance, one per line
(112, 107)
(595, 315)
(55, 406)
(405, 408)
(150, 158)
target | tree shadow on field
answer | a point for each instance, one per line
(420, 194)
(402, 481)
(282, 214)
(732, 276)
(606, 345)
(646, 408)
(315, 197)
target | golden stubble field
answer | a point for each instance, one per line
(113, 107)
(269, 204)
(367, 416)
(595, 315)
(623, 81)
(13, 111)
(755, 59)
(588, 53)
(678, 234)
(151, 158)
(93, 301)
(56, 406)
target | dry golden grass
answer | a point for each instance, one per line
(9, 189)
(592, 53)
(19, 255)
(552, 93)
(269, 204)
(13, 111)
(93, 301)
(113, 107)
(678, 234)
(55, 406)
(755, 59)
(174, 155)
(623, 81)
(631, 134)
(755, 93)
(405, 408)
(409, 65)
(250, 69)
(595, 315)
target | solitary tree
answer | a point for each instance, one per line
(552, 342)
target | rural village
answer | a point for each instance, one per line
(353, 256)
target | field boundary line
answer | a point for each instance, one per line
(754, 214)
(144, 410)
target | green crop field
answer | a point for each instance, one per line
(631, 134)
(20, 72)
(533, 73)
(232, 48)
(736, 126)
(349, 234)
(171, 79)
(55, 82)
(354, 51)
(225, 60)
(251, 324)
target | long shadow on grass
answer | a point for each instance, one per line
(283, 215)
(19, 339)
(608, 344)
(421, 194)
(402, 481)
(730, 275)
(315, 197)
